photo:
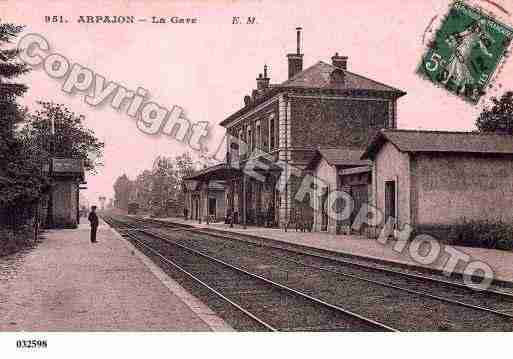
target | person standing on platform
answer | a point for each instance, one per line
(93, 220)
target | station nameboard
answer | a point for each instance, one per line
(67, 165)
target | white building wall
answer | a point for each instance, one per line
(326, 179)
(453, 186)
(392, 165)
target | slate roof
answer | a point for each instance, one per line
(223, 171)
(219, 171)
(339, 157)
(318, 76)
(343, 156)
(441, 141)
(207, 170)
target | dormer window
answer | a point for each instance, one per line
(337, 77)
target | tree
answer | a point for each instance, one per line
(10, 91)
(158, 189)
(122, 192)
(59, 132)
(185, 168)
(10, 113)
(165, 184)
(498, 117)
(21, 180)
(142, 187)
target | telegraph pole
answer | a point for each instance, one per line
(49, 215)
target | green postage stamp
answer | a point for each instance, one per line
(466, 52)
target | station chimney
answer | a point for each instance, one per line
(296, 60)
(263, 81)
(339, 61)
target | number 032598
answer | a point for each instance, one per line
(33, 343)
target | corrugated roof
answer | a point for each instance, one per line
(318, 76)
(441, 141)
(343, 156)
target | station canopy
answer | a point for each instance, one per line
(225, 171)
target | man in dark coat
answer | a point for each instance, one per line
(93, 219)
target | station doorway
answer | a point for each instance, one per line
(212, 205)
(324, 211)
(390, 205)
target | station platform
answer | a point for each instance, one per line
(67, 283)
(500, 261)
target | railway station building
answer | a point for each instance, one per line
(431, 180)
(340, 128)
(319, 120)
(62, 206)
(205, 200)
(339, 169)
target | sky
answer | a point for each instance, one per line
(206, 68)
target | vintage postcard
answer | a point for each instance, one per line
(223, 167)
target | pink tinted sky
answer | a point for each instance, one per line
(208, 67)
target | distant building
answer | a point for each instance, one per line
(432, 179)
(102, 200)
(323, 106)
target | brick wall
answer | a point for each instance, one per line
(336, 122)
(311, 123)
(262, 115)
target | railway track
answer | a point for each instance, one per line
(383, 296)
(502, 300)
(273, 306)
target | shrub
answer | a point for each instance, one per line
(494, 234)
